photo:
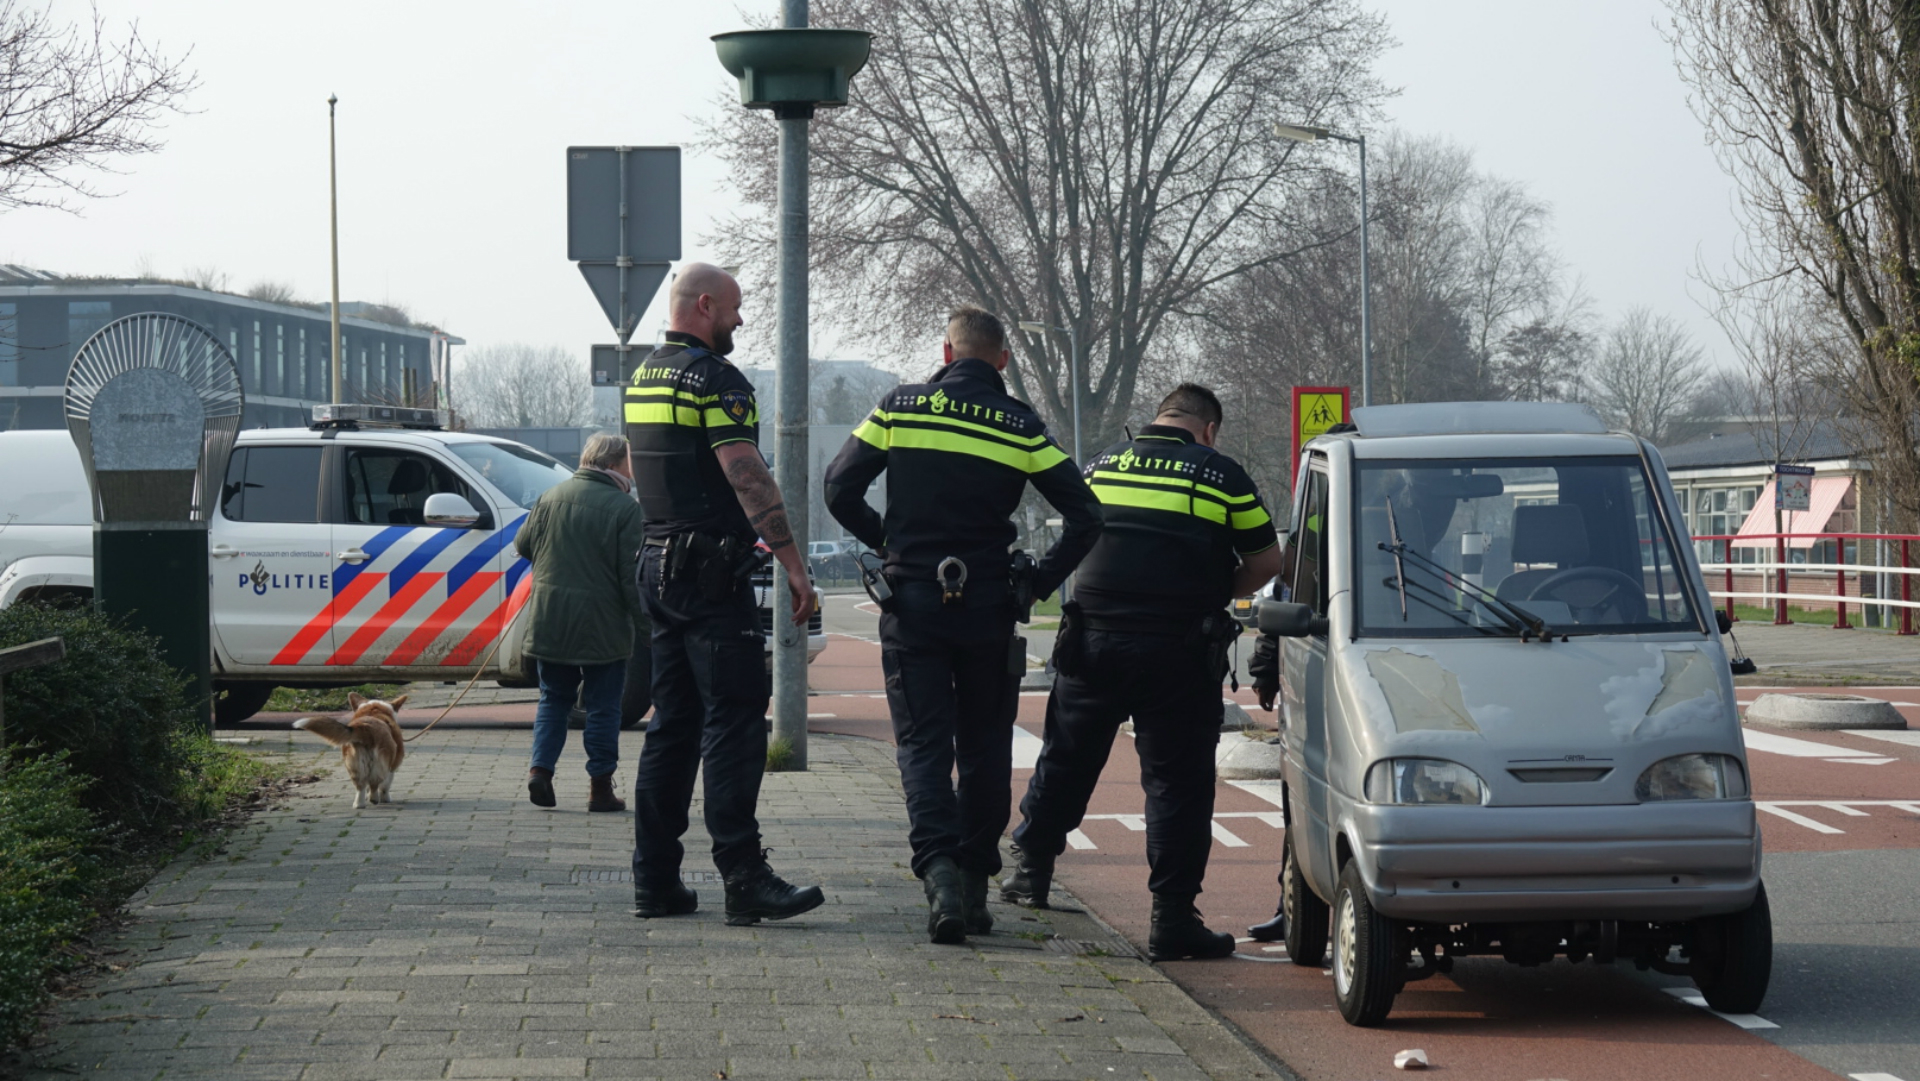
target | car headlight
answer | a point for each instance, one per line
(1692, 776)
(1424, 780)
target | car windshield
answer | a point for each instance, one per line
(1502, 546)
(520, 473)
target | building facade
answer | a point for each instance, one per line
(283, 350)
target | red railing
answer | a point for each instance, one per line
(1783, 573)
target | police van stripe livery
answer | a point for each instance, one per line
(433, 578)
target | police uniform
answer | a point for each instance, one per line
(1150, 601)
(958, 452)
(709, 667)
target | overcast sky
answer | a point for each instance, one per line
(454, 119)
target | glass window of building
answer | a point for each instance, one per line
(84, 317)
(9, 345)
(258, 382)
(1721, 511)
(279, 358)
(300, 365)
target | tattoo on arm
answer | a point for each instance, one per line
(760, 498)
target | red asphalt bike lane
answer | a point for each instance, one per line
(1487, 1019)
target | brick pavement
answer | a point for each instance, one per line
(463, 933)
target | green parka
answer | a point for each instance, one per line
(583, 538)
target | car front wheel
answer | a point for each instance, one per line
(235, 702)
(1732, 959)
(1367, 962)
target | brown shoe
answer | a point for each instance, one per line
(540, 787)
(600, 795)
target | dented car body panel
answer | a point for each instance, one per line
(1415, 664)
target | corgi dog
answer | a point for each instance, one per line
(370, 744)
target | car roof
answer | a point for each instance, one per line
(1480, 429)
(415, 436)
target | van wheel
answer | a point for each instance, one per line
(1306, 913)
(1733, 957)
(1366, 963)
(235, 702)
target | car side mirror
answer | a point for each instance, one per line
(1287, 619)
(1722, 620)
(450, 510)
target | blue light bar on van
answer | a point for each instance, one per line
(378, 416)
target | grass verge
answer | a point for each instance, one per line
(325, 699)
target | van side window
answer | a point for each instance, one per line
(390, 487)
(272, 484)
(1310, 541)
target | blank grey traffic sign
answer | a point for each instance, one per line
(652, 196)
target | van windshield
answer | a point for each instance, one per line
(522, 474)
(1485, 547)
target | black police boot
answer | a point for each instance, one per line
(755, 893)
(670, 897)
(974, 895)
(1274, 929)
(1178, 934)
(946, 902)
(1032, 877)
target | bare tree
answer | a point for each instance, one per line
(1646, 374)
(523, 386)
(272, 292)
(72, 100)
(1810, 106)
(209, 277)
(1106, 165)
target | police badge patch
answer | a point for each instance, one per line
(736, 404)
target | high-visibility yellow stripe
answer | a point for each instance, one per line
(1150, 499)
(719, 418)
(686, 397)
(1181, 483)
(1250, 519)
(874, 435)
(965, 425)
(1035, 461)
(661, 413)
(1224, 497)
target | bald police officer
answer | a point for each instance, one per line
(958, 452)
(694, 426)
(1145, 637)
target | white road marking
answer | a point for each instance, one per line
(1908, 736)
(1026, 748)
(1841, 808)
(1076, 839)
(1873, 1077)
(1799, 748)
(1798, 819)
(1744, 1020)
(1273, 949)
(821, 716)
(1225, 836)
(1266, 790)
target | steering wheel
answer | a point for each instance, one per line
(1610, 589)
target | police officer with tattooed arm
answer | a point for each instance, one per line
(1146, 636)
(958, 452)
(694, 427)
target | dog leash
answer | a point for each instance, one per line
(481, 671)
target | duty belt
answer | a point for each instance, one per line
(1177, 628)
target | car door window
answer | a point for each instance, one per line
(390, 487)
(272, 484)
(1310, 542)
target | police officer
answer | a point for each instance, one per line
(694, 427)
(959, 452)
(1146, 637)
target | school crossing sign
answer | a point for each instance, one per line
(1316, 409)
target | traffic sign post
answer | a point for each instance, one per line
(623, 228)
(1316, 409)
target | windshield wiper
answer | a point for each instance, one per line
(1517, 619)
(1443, 604)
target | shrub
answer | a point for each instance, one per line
(49, 873)
(115, 709)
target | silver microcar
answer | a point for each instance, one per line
(1508, 717)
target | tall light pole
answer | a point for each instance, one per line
(1301, 133)
(1073, 372)
(333, 209)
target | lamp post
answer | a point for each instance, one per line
(1301, 133)
(792, 71)
(333, 210)
(1073, 372)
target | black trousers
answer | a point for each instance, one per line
(1164, 684)
(953, 695)
(710, 707)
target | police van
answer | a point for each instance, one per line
(371, 547)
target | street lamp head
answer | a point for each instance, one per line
(330, 100)
(1032, 327)
(1300, 133)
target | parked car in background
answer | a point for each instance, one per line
(833, 560)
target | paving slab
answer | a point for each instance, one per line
(462, 933)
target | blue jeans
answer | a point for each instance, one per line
(597, 686)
